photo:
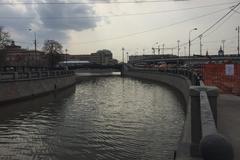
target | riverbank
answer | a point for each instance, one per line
(104, 118)
(18, 88)
(200, 109)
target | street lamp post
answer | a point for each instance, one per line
(189, 53)
(35, 45)
(123, 55)
(122, 73)
(200, 37)
(178, 41)
(66, 58)
(238, 40)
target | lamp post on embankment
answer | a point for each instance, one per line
(189, 43)
(35, 45)
(238, 40)
(178, 49)
(123, 49)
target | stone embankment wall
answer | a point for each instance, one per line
(179, 82)
(17, 89)
(200, 138)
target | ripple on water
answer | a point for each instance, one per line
(104, 118)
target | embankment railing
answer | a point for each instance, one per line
(206, 142)
(16, 76)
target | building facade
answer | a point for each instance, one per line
(102, 58)
(17, 56)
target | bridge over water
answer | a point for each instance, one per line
(182, 59)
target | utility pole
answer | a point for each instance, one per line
(35, 48)
(200, 37)
(66, 59)
(163, 48)
(223, 42)
(158, 50)
(189, 43)
(185, 50)
(122, 73)
(238, 40)
(123, 55)
(178, 41)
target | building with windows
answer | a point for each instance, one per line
(101, 57)
(17, 56)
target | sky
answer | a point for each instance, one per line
(85, 26)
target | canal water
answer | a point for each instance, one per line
(109, 118)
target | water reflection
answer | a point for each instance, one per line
(104, 118)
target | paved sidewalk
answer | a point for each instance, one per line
(229, 120)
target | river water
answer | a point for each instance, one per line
(109, 118)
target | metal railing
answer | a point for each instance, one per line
(189, 73)
(16, 76)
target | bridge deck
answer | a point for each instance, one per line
(229, 121)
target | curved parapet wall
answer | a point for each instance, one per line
(200, 138)
(18, 89)
(179, 82)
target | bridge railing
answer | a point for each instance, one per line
(34, 75)
(206, 142)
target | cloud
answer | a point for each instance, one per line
(40, 18)
(63, 17)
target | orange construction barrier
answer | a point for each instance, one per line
(225, 76)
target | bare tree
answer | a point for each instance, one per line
(4, 38)
(54, 50)
(4, 41)
(52, 47)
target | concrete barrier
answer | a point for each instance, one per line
(206, 141)
(24, 85)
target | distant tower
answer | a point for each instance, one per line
(220, 52)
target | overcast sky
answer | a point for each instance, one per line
(85, 26)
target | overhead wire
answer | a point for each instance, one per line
(119, 15)
(236, 11)
(218, 21)
(213, 25)
(84, 3)
(219, 25)
(156, 28)
(153, 29)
